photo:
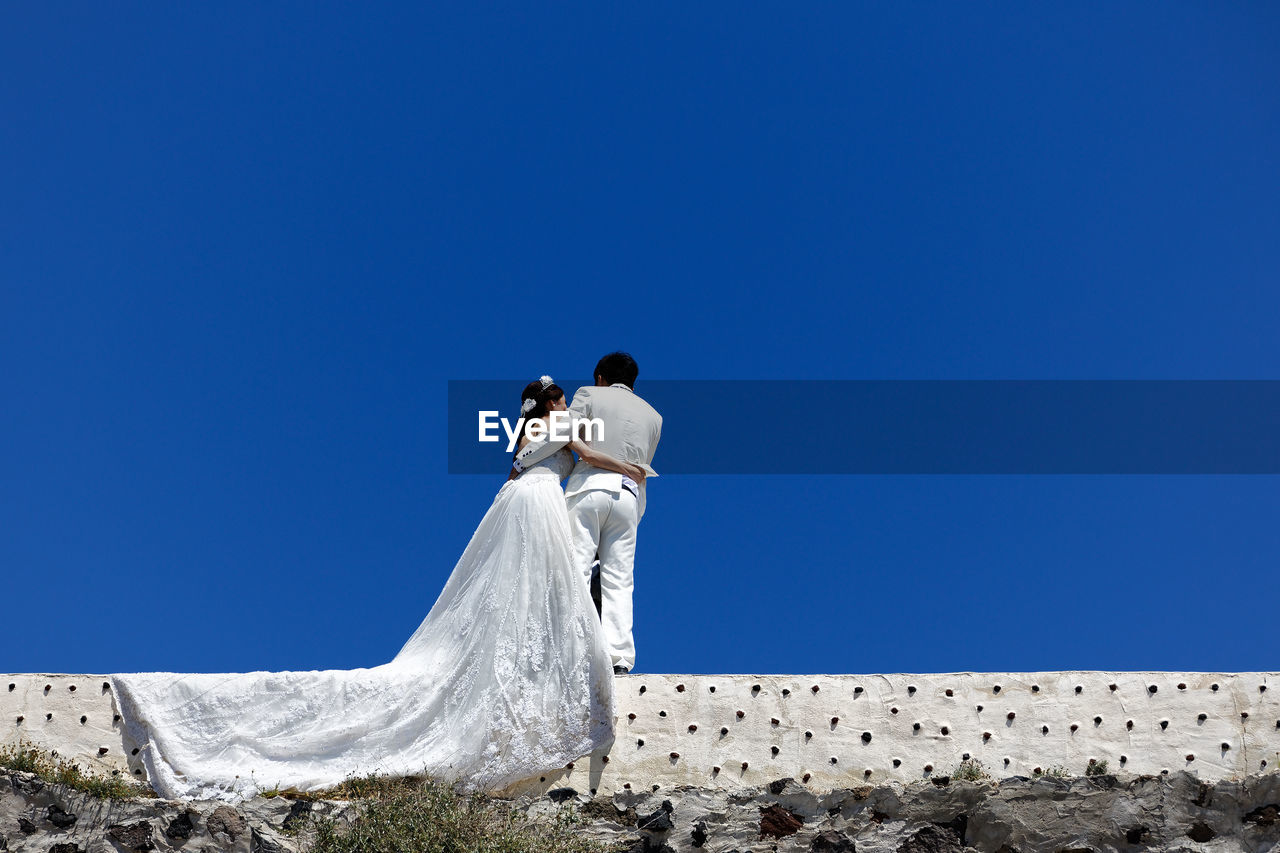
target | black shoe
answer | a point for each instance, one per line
(619, 669)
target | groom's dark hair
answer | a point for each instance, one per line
(618, 367)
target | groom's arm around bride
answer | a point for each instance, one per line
(605, 507)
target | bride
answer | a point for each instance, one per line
(507, 676)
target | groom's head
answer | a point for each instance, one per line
(617, 367)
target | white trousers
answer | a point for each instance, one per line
(604, 527)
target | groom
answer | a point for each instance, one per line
(605, 507)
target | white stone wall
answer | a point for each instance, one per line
(735, 729)
(73, 715)
(731, 730)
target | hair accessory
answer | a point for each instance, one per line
(527, 406)
(546, 380)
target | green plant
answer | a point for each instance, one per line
(1096, 768)
(429, 816)
(1055, 770)
(26, 757)
(568, 816)
(268, 793)
(970, 770)
(352, 788)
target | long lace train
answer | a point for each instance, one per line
(506, 677)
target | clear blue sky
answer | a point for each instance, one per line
(244, 248)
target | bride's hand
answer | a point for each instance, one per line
(607, 462)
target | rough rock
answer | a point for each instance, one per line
(135, 836)
(660, 820)
(777, 822)
(931, 839)
(831, 841)
(1104, 814)
(181, 827)
(59, 818)
(225, 820)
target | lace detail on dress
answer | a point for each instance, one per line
(558, 464)
(506, 678)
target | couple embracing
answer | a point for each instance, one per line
(509, 676)
(605, 494)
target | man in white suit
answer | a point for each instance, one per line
(605, 507)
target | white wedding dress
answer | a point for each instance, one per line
(507, 677)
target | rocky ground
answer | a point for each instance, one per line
(1013, 815)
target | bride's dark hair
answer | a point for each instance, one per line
(540, 396)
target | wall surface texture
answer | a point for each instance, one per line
(825, 731)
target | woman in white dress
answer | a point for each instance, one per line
(507, 677)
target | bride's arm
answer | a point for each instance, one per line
(603, 460)
(535, 450)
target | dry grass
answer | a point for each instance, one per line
(1056, 771)
(390, 814)
(971, 770)
(1096, 768)
(424, 815)
(48, 766)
